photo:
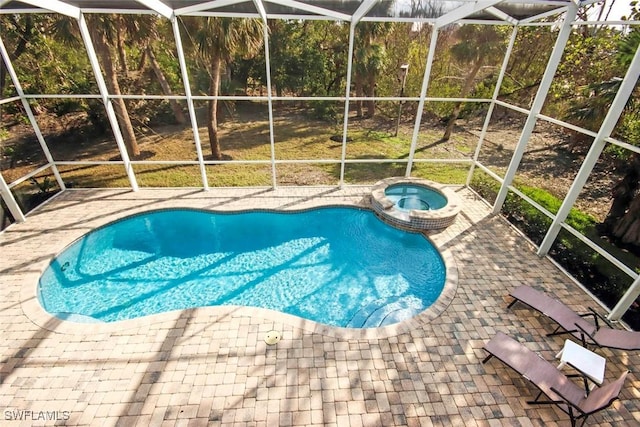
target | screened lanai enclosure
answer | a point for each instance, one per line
(531, 104)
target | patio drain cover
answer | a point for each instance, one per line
(272, 337)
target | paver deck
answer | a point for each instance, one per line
(210, 366)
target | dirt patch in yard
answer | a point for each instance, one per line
(551, 160)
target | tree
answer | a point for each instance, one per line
(623, 219)
(369, 60)
(479, 45)
(20, 28)
(103, 32)
(218, 40)
(147, 30)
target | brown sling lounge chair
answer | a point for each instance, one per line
(570, 322)
(610, 338)
(558, 389)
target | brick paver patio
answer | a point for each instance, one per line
(211, 366)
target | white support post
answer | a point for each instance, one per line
(104, 93)
(267, 59)
(492, 106)
(8, 198)
(423, 95)
(538, 102)
(608, 124)
(345, 125)
(187, 91)
(625, 302)
(272, 141)
(32, 119)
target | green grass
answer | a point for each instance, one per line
(245, 137)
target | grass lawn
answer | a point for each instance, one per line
(244, 137)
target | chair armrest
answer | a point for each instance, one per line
(583, 338)
(596, 316)
(565, 400)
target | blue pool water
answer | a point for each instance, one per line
(337, 266)
(409, 196)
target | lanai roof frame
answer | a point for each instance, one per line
(491, 12)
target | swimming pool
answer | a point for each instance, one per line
(338, 266)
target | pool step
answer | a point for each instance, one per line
(385, 312)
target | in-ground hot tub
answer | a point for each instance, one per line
(415, 204)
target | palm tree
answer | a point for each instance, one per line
(103, 32)
(369, 60)
(218, 40)
(478, 46)
(147, 30)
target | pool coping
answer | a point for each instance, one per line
(36, 314)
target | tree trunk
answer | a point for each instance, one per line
(118, 104)
(466, 89)
(143, 61)
(627, 229)
(166, 89)
(623, 219)
(212, 119)
(122, 53)
(359, 92)
(371, 92)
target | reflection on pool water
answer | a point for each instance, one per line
(410, 196)
(337, 266)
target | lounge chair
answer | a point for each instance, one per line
(610, 338)
(551, 382)
(569, 322)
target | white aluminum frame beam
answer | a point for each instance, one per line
(611, 119)
(32, 118)
(492, 106)
(267, 59)
(625, 302)
(362, 10)
(201, 7)
(464, 11)
(187, 90)
(55, 6)
(313, 9)
(538, 102)
(158, 7)
(12, 205)
(104, 92)
(543, 15)
(423, 94)
(345, 124)
(501, 15)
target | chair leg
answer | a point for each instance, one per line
(574, 419)
(557, 331)
(487, 358)
(536, 401)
